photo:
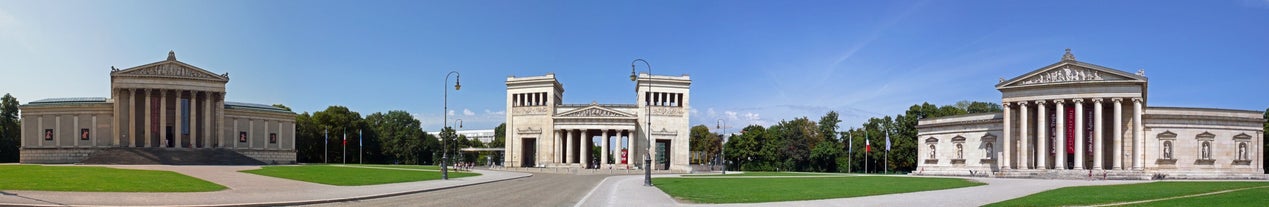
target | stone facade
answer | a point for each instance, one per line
(544, 132)
(1076, 119)
(165, 104)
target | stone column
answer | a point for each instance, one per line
(1118, 135)
(1059, 159)
(206, 124)
(1079, 134)
(1025, 149)
(194, 124)
(555, 146)
(630, 138)
(219, 108)
(603, 155)
(1098, 150)
(1138, 148)
(132, 119)
(163, 118)
(1006, 162)
(1042, 138)
(149, 111)
(118, 115)
(585, 142)
(568, 153)
(179, 139)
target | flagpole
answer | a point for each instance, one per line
(345, 154)
(850, 149)
(326, 147)
(360, 147)
(886, 164)
(867, 147)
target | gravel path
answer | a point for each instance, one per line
(542, 189)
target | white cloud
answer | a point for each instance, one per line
(731, 115)
(468, 112)
(451, 112)
(694, 112)
(711, 112)
(489, 112)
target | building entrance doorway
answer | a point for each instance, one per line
(663, 155)
(529, 149)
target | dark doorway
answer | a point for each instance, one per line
(168, 136)
(663, 154)
(528, 150)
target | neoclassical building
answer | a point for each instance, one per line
(1076, 119)
(162, 105)
(542, 131)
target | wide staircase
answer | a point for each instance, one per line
(169, 156)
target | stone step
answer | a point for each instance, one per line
(169, 156)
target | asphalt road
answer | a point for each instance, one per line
(539, 190)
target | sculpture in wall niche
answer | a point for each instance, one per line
(1065, 74)
(989, 150)
(1167, 150)
(1242, 151)
(931, 151)
(960, 152)
(1207, 151)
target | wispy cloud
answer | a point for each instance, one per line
(468, 112)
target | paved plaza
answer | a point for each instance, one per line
(493, 188)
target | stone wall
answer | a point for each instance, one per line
(270, 156)
(54, 156)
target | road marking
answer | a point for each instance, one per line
(592, 191)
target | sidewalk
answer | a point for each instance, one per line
(244, 190)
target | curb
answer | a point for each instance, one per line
(307, 202)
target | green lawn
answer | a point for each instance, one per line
(774, 174)
(1089, 195)
(1249, 197)
(98, 179)
(754, 190)
(350, 176)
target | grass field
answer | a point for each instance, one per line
(774, 174)
(1091, 195)
(792, 188)
(350, 176)
(98, 179)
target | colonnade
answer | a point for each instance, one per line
(155, 106)
(574, 146)
(1034, 150)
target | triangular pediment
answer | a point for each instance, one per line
(170, 68)
(595, 112)
(1070, 71)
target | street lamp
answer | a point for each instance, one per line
(647, 154)
(721, 142)
(445, 116)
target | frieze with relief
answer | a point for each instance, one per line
(593, 112)
(529, 110)
(667, 111)
(172, 71)
(1065, 74)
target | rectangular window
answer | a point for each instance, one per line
(83, 134)
(273, 138)
(242, 136)
(48, 134)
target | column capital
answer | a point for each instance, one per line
(1059, 101)
(1116, 100)
(1077, 101)
(1023, 103)
(1006, 104)
(1097, 100)
(1136, 100)
(1041, 102)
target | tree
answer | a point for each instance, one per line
(339, 121)
(10, 131)
(701, 140)
(500, 136)
(309, 139)
(282, 107)
(400, 135)
(983, 107)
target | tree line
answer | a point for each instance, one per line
(394, 137)
(803, 144)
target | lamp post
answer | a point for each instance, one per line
(445, 116)
(721, 142)
(647, 154)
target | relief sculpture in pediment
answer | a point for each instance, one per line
(1065, 74)
(172, 70)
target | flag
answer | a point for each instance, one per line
(867, 145)
(345, 139)
(887, 142)
(359, 137)
(850, 143)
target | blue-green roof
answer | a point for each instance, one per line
(71, 100)
(240, 105)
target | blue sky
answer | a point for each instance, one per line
(751, 62)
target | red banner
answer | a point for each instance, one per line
(623, 156)
(1070, 129)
